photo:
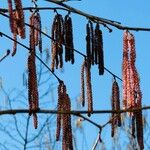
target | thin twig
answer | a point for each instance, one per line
(96, 18)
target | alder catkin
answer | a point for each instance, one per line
(68, 39)
(11, 17)
(115, 102)
(99, 49)
(82, 94)
(33, 95)
(125, 68)
(88, 87)
(64, 120)
(57, 34)
(20, 18)
(59, 107)
(88, 43)
(132, 95)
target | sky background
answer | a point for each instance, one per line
(130, 13)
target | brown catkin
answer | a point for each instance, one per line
(64, 120)
(33, 95)
(59, 107)
(57, 41)
(139, 129)
(88, 88)
(92, 36)
(115, 102)
(20, 18)
(99, 49)
(88, 43)
(82, 94)
(11, 17)
(68, 39)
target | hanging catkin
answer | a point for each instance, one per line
(115, 101)
(132, 95)
(57, 41)
(68, 39)
(11, 17)
(125, 68)
(88, 87)
(20, 18)
(99, 54)
(64, 120)
(33, 96)
(13, 25)
(88, 42)
(59, 107)
(82, 94)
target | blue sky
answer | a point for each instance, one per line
(129, 13)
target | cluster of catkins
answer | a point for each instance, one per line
(64, 120)
(61, 34)
(94, 46)
(85, 70)
(16, 19)
(115, 103)
(35, 39)
(132, 95)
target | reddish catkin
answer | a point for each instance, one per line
(82, 94)
(64, 120)
(38, 27)
(115, 101)
(33, 95)
(11, 18)
(59, 107)
(20, 18)
(125, 68)
(88, 87)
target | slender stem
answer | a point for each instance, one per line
(96, 18)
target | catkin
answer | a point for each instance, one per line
(59, 107)
(124, 68)
(88, 43)
(115, 101)
(11, 17)
(132, 95)
(33, 95)
(82, 95)
(68, 39)
(99, 49)
(64, 120)
(88, 88)
(56, 42)
(20, 18)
